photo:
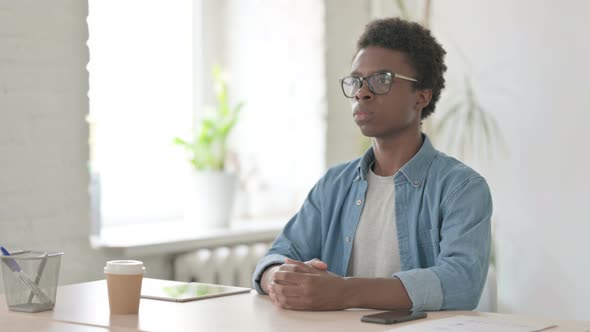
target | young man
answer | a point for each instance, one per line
(403, 227)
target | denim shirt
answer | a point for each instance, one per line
(442, 208)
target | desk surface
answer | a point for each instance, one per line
(87, 304)
(18, 323)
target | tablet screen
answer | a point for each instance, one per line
(185, 291)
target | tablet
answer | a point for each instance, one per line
(176, 291)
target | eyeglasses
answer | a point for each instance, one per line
(378, 83)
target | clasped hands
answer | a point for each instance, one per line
(307, 285)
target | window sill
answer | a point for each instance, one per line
(176, 237)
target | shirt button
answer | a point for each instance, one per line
(348, 239)
(359, 202)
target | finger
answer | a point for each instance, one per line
(293, 268)
(288, 290)
(283, 282)
(276, 288)
(280, 281)
(282, 277)
(291, 261)
(286, 306)
(274, 298)
(299, 264)
(276, 302)
(294, 303)
(282, 305)
(318, 264)
(287, 302)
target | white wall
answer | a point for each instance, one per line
(530, 64)
(273, 51)
(44, 201)
(345, 21)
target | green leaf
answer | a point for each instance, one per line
(208, 147)
(181, 142)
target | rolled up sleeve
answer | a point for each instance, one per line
(264, 263)
(423, 287)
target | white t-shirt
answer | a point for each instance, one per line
(375, 251)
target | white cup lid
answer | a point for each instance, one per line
(124, 267)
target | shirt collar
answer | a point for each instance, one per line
(414, 170)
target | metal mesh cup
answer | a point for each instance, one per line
(30, 280)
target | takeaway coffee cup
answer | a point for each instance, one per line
(124, 285)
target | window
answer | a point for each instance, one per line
(149, 71)
(140, 97)
(275, 52)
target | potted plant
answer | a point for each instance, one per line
(211, 197)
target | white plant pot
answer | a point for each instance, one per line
(211, 198)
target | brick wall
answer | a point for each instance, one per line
(44, 201)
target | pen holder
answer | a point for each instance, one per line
(30, 279)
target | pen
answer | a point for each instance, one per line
(25, 278)
(39, 273)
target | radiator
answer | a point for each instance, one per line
(231, 266)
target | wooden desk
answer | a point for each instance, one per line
(87, 304)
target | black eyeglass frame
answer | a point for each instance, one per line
(390, 75)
